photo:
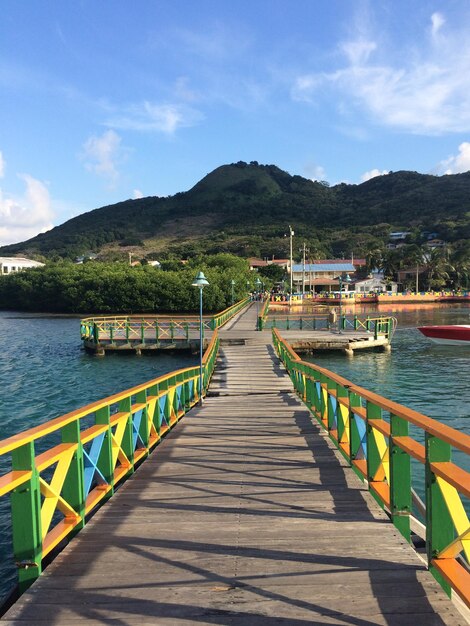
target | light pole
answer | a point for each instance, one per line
(258, 284)
(232, 282)
(346, 279)
(304, 249)
(291, 234)
(200, 281)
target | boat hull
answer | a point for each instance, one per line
(447, 335)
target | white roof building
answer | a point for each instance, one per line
(11, 264)
(375, 283)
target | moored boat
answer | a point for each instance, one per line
(455, 334)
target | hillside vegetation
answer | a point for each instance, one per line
(246, 209)
(65, 287)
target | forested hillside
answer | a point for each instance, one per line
(246, 209)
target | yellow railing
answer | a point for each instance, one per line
(373, 433)
(61, 470)
(141, 330)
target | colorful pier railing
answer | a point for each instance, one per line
(63, 469)
(144, 330)
(387, 297)
(388, 445)
(321, 318)
(378, 326)
(224, 316)
(262, 314)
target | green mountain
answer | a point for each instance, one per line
(246, 209)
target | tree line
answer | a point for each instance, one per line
(64, 287)
(447, 267)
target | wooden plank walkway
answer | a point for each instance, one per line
(243, 515)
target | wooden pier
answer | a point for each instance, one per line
(245, 514)
(152, 333)
(310, 341)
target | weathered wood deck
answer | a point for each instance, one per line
(244, 515)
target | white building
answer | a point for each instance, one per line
(375, 283)
(317, 277)
(11, 264)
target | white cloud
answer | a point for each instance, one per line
(359, 51)
(437, 22)
(136, 194)
(458, 163)
(216, 43)
(422, 90)
(183, 90)
(305, 87)
(315, 172)
(24, 217)
(2, 165)
(102, 155)
(163, 118)
(372, 174)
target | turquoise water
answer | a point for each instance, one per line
(424, 376)
(431, 379)
(45, 373)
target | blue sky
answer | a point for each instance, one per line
(107, 100)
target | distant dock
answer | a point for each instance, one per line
(348, 341)
(308, 333)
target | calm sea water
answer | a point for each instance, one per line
(432, 379)
(429, 378)
(44, 373)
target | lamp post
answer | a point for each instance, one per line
(258, 284)
(291, 234)
(304, 250)
(346, 279)
(200, 281)
(232, 282)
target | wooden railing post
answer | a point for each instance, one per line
(439, 527)
(73, 489)
(373, 453)
(400, 478)
(26, 518)
(127, 443)
(105, 460)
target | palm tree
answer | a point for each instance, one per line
(413, 256)
(391, 263)
(437, 269)
(460, 262)
(374, 257)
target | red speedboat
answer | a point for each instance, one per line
(456, 334)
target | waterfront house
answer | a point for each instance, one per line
(375, 283)
(319, 277)
(255, 263)
(12, 264)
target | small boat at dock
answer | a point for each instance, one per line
(455, 334)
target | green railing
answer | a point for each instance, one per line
(390, 447)
(62, 470)
(140, 330)
(151, 329)
(378, 326)
(263, 314)
(224, 316)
